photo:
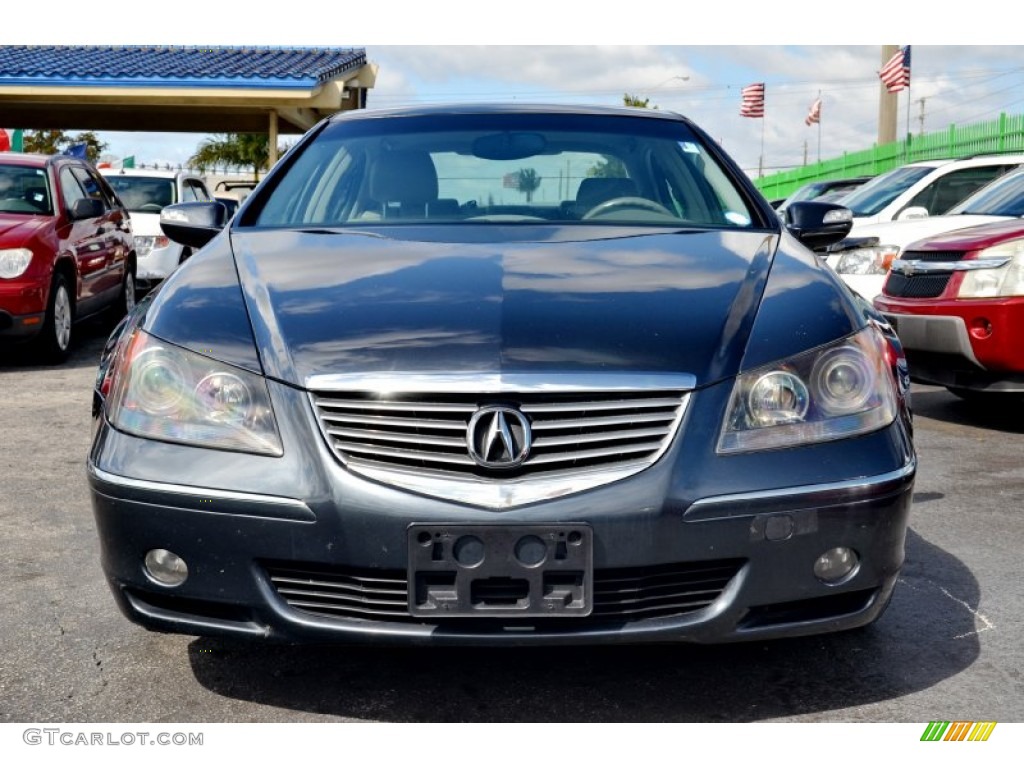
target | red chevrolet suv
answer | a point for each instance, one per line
(957, 303)
(65, 250)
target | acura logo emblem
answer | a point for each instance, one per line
(498, 437)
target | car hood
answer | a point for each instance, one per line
(145, 224)
(350, 303)
(977, 237)
(15, 230)
(902, 233)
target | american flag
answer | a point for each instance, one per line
(896, 72)
(814, 114)
(753, 101)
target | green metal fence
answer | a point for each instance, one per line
(1006, 134)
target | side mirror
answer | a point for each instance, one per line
(818, 225)
(913, 212)
(193, 224)
(86, 208)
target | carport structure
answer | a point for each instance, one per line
(191, 89)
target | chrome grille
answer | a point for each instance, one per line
(620, 594)
(399, 437)
(932, 255)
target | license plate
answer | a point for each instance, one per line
(507, 571)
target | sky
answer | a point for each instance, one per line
(693, 61)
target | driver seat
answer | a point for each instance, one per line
(596, 190)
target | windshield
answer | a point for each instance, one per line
(882, 190)
(1003, 197)
(143, 194)
(503, 168)
(25, 190)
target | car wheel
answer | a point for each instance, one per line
(54, 342)
(128, 295)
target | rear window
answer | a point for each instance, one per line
(144, 194)
(503, 168)
(25, 190)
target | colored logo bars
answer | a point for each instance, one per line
(957, 731)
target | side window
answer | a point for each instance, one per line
(71, 189)
(199, 190)
(942, 194)
(92, 186)
(188, 192)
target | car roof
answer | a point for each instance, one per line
(155, 174)
(34, 160)
(484, 108)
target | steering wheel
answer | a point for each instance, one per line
(626, 202)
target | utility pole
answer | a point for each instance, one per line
(805, 151)
(921, 116)
(886, 103)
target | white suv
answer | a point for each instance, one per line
(145, 193)
(909, 193)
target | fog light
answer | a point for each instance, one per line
(166, 568)
(835, 565)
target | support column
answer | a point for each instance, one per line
(886, 103)
(272, 140)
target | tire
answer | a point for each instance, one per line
(54, 341)
(126, 301)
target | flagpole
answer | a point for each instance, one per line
(819, 127)
(907, 139)
(760, 161)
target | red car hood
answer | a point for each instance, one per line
(972, 238)
(16, 230)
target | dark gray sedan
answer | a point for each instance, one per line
(503, 375)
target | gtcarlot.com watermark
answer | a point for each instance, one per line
(61, 737)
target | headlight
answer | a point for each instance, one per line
(872, 260)
(144, 244)
(836, 391)
(1007, 280)
(167, 393)
(14, 262)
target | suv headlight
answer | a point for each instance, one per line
(1007, 280)
(869, 260)
(836, 391)
(164, 392)
(14, 262)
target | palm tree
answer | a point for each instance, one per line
(233, 150)
(527, 182)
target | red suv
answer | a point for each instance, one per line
(957, 303)
(65, 250)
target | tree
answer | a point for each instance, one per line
(630, 100)
(527, 182)
(608, 168)
(52, 142)
(235, 150)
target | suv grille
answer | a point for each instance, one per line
(594, 437)
(916, 286)
(620, 594)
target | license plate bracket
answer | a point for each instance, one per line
(500, 571)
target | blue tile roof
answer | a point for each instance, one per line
(175, 66)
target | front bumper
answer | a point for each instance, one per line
(22, 308)
(722, 568)
(961, 344)
(157, 264)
